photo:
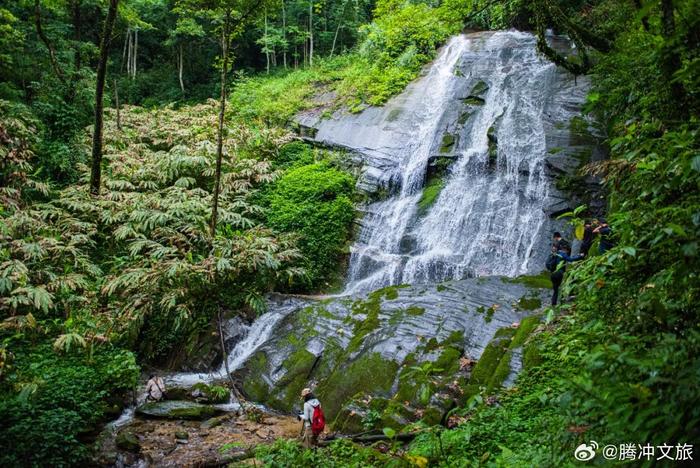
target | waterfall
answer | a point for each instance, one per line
(489, 216)
(253, 336)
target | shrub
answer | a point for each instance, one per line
(315, 202)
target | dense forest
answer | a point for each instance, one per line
(154, 184)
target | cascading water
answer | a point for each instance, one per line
(254, 335)
(489, 215)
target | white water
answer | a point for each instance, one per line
(486, 220)
(255, 335)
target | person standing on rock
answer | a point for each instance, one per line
(605, 231)
(588, 237)
(155, 388)
(556, 263)
(313, 418)
(560, 243)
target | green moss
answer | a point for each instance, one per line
(430, 194)
(298, 366)
(555, 150)
(531, 356)
(440, 287)
(474, 101)
(369, 374)
(540, 281)
(488, 362)
(527, 325)
(415, 311)
(448, 361)
(448, 142)
(479, 89)
(464, 116)
(501, 372)
(528, 302)
(253, 385)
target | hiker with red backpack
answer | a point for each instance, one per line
(313, 418)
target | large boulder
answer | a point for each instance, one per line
(177, 410)
(398, 345)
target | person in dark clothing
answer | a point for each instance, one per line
(560, 243)
(557, 264)
(588, 237)
(605, 231)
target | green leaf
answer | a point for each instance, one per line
(389, 432)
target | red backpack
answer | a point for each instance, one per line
(318, 421)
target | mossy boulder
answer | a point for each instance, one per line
(182, 435)
(177, 410)
(127, 440)
(368, 374)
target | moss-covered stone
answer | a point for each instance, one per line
(415, 311)
(254, 386)
(431, 191)
(491, 357)
(527, 325)
(540, 281)
(474, 100)
(127, 440)
(298, 366)
(463, 117)
(177, 410)
(448, 360)
(449, 141)
(370, 374)
(528, 302)
(479, 89)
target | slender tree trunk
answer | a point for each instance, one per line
(311, 33)
(96, 173)
(220, 133)
(136, 49)
(284, 35)
(40, 32)
(180, 65)
(116, 102)
(267, 48)
(127, 46)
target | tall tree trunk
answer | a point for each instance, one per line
(116, 103)
(284, 35)
(96, 172)
(136, 49)
(311, 33)
(127, 46)
(220, 132)
(77, 25)
(337, 29)
(267, 48)
(180, 65)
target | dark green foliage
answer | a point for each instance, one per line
(70, 392)
(315, 201)
(340, 453)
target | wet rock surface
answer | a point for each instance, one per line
(392, 345)
(177, 409)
